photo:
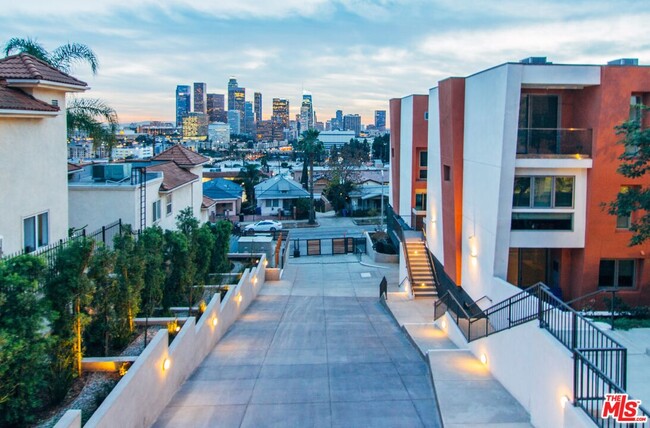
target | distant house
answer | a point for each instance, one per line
(278, 193)
(367, 196)
(33, 152)
(142, 194)
(226, 194)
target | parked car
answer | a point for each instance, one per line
(263, 226)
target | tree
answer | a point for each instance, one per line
(179, 269)
(219, 261)
(24, 349)
(151, 244)
(634, 201)
(312, 148)
(83, 114)
(250, 176)
(380, 147)
(99, 332)
(129, 271)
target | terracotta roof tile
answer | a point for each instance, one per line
(182, 156)
(27, 67)
(15, 99)
(74, 167)
(207, 203)
(173, 175)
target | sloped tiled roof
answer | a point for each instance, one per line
(173, 175)
(28, 67)
(279, 187)
(15, 99)
(207, 203)
(182, 156)
(222, 189)
(74, 167)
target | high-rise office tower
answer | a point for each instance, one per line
(380, 120)
(200, 98)
(352, 122)
(249, 118)
(195, 126)
(258, 106)
(281, 111)
(339, 119)
(236, 95)
(306, 112)
(183, 96)
(234, 121)
(216, 110)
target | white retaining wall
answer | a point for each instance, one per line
(143, 393)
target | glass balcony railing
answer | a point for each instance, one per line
(552, 142)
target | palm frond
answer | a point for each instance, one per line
(65, 56)
(30, 46)
(93, 108)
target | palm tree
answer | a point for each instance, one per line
(311, 148)
(83, 114)
(61, 58)
(250, 176)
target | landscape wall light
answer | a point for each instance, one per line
(166, 364)
(473, 250)
(215, 321)
(484, 359)
(239, 298)
(564, 400)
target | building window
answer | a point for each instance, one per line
(636, 115)
(269, 204)
(420, 201)
(446, 171)
(168, 208)
(155, 210)
(625, 221)
(36, 232)
(617, 273)
(422, 165)
(426, 115)
(543, 192)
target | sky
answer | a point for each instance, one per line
(352, 55)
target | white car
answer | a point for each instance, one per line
(263, 226)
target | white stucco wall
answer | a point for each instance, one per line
(182, 198)
(433, 220)
(33, 177)
(406, 159)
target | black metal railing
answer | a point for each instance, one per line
(554, 141)
(591, 387)
(603, 360)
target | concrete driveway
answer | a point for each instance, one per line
(310, 351)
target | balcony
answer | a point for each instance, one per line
(554, 142)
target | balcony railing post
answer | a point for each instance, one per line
(574, 330)
(540, 307)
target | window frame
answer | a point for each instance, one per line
(616, 286)
(156, 211)
(553, 201)
(169, 209)
(42, 240)
(423, 169)
(423, 197)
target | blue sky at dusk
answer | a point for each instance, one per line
(352, 55)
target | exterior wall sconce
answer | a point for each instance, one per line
(239, 298)
(166, 364)
(215, 321)
(473, 250)
(484, 359)
(443, 324)
(564, 400)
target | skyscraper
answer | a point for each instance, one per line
(380, 120)
(352, 122)
(339, 119)
(249, 118)
(232, 85)
(306, 112)
(195, 126)
(234, 121)
(216, 110)
(258, 106)
(281, 111)
(200, 98)
(183, 96)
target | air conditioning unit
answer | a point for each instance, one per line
(111, 171)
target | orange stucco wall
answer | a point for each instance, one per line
(395, 106)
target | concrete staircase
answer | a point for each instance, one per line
(421, 271)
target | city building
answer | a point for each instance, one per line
(135, 151)
(352, 122)
(234, 121)
(183, 103)
(335, 138)
(33, 150)
(156, 128)
(195, 126)
(258, 106)
(306, 112)
(219, 133)
(281, 111)
(408, 158)
(278, 194)
(226, 194)
(380, 120)
(216, 111)
(249, 118)
(200, 98)
(104, 193)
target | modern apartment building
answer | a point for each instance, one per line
(521, 158)
(409, 158)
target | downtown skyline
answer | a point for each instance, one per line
(351, 55)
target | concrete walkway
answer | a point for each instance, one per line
(316, 349)
(468, 395)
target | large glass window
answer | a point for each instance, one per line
(36, 232)
(617, 273)
(543, 192)
(422, 165)
(420, 201)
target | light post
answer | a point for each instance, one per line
(382, 200)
